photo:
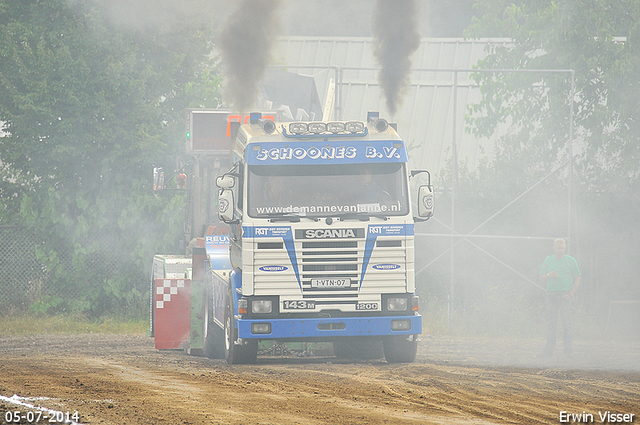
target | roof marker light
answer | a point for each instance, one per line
(381, 125)
(268, 126)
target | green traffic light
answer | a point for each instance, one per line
(188, 134)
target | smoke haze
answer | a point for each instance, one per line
(157, 15)
(245, 42)
(395, 38)
(248, 30)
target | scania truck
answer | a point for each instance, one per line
(320, 242)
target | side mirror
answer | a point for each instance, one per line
(225, 205)
(226, 181)
(425, 201)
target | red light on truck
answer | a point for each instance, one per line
(243, 306)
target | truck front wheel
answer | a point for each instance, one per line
(247, 352)
(401, 348)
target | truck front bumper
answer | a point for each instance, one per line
(328, 327)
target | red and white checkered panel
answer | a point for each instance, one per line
(172, 313)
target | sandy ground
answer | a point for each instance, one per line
(115, 379)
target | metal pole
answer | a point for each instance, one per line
(571, 97)
(468, 236)
(339, 94)
(454, 179)
(196, 187)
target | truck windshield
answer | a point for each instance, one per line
(328, 190)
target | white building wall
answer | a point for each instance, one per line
(426, 117)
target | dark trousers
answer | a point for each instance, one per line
(557, 306)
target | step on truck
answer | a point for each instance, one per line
(320, 243)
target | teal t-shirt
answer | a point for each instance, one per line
(567, 268)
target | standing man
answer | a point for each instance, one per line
(562, 275)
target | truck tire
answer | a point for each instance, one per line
(237, 354)
(358, 349)
(213, 345)
(401, 349)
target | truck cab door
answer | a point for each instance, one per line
(230, 205)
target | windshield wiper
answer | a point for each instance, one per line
(292, 218)
(354, 216)
(362, 216)
(283, 217)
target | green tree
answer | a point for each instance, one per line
(87, 109)
(527, 116)
(600, 40)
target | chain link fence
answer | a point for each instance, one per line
(23, 279)
(39, 280)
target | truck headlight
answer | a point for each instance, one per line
(261, 306)
(397, 304)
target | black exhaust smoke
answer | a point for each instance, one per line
(245, 42)
(395, 37)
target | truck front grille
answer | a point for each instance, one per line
(324, 261)
(329, 272)
(330, 244)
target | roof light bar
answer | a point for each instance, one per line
(354, 126)
(335, 127)
(323, 129)
(298, 128)
(317, 127)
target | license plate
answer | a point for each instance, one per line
(330, 283)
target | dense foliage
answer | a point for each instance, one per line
(88, 106)
(527, 115)
(601, 42)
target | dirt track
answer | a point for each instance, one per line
(123, 380)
